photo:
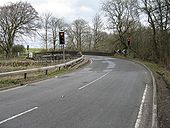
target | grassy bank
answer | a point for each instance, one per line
(165, 73)
(9, 82)
(13, 81)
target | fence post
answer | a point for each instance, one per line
(46, 72)
(25, 75)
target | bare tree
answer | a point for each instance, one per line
(121, 14)
(80, 29)
(56, 24)
(158, 12)
(97, 31)
(45, 26)
(16, 19)
(87, 40)
(70, 37)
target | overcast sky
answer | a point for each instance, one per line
(67, 9)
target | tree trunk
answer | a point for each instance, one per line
(54, 44)
(156, 51)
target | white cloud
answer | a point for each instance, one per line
(86, 9)
(58, 9)
(67, 9)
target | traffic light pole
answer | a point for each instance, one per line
(63, 53)
(28, 51)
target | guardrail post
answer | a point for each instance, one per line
(25, 75)
(46, 72)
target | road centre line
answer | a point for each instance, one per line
(138, 121)
(93, 81)
(15, 116)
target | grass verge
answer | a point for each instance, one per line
(159, 70)
(14, 81)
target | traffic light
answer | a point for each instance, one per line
(61, 38)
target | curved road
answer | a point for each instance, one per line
(105, 94)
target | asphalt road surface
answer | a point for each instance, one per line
(105, 94)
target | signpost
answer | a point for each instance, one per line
(129, 43)
(28, 50)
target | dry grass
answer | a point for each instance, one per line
(164, 72)
(11, 81)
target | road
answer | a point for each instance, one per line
(105, 94)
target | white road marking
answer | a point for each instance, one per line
(110, 65)
(13, 117)
(41, 81)
(93, 81)
(137, 124)
(13, 88)
(107, 70)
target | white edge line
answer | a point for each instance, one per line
(13, 88)
(138, 121)
(154, 109)
(93, 81)
(13, 117)
(154, 99)
(42, 81)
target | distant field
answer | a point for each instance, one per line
(23, 55)
(35, 50)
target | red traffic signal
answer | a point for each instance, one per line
(61, 38)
